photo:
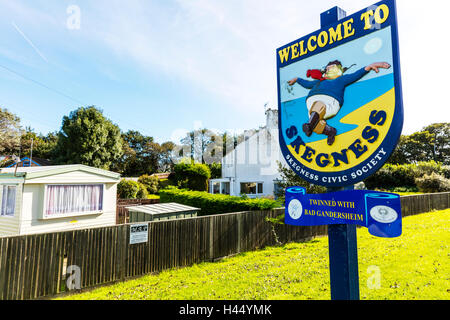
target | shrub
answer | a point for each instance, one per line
(164, 183)
(193, 176)
(446, 171)
(216, 170)
(142, 192)
(391, 177)
(433, 183)
(151, 183)
(127, 189)
(214, 203)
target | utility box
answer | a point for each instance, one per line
(161, 211)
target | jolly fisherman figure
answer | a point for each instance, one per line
(326, 96)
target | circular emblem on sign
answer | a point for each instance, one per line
(383, 214)
(295, 209)
(340, 118)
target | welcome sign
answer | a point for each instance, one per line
(340, 100)
(380, 212)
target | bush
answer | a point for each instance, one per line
(216, 170)
(127, 189)
(193, 176)
(151, 183)
(427, 168)
(433, 183)
(391, 177)
(164, 183)
(214, 203)
(142, 192)
(446, 171)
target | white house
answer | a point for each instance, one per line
(251, 168)
(56, 198)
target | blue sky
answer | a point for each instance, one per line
(164, 67)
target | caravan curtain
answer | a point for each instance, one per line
(8, 201)
(65, 199)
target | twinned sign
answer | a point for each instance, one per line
(380, 212)
(339, 96)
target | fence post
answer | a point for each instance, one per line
(123, 249)
(211, 238)
(239, 232)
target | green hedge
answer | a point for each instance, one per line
(215, 203)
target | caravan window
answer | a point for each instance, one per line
(8, 202)
(73, 199)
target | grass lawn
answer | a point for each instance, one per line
(408, 193)
(413, 266)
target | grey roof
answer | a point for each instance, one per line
(161, 208)
(38, 172)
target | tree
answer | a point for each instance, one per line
(440, 136)
(10, 132)
(46, 147)
(142, 155)
(88, 138)
(166, 161)
(203, 145)
(43, 146)
(431, 143)
(134, 161)
(290, 179)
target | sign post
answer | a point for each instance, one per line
(340, 126)
(342, 241)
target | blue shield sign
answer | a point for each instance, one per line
(340, 98)
(380, 212)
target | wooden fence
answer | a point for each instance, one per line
(33, 266)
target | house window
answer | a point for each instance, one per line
(8, 203)
(73, 199)
(251, 188)
(225, 187)
(216, 187)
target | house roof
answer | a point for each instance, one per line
(38, 172)
(162, 208)
(34, 160)
(161, 176)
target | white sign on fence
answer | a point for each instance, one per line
(138, 233)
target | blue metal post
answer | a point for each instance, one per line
(343, 250)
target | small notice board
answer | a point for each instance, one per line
(139, 233)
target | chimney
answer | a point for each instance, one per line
(271, 119)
